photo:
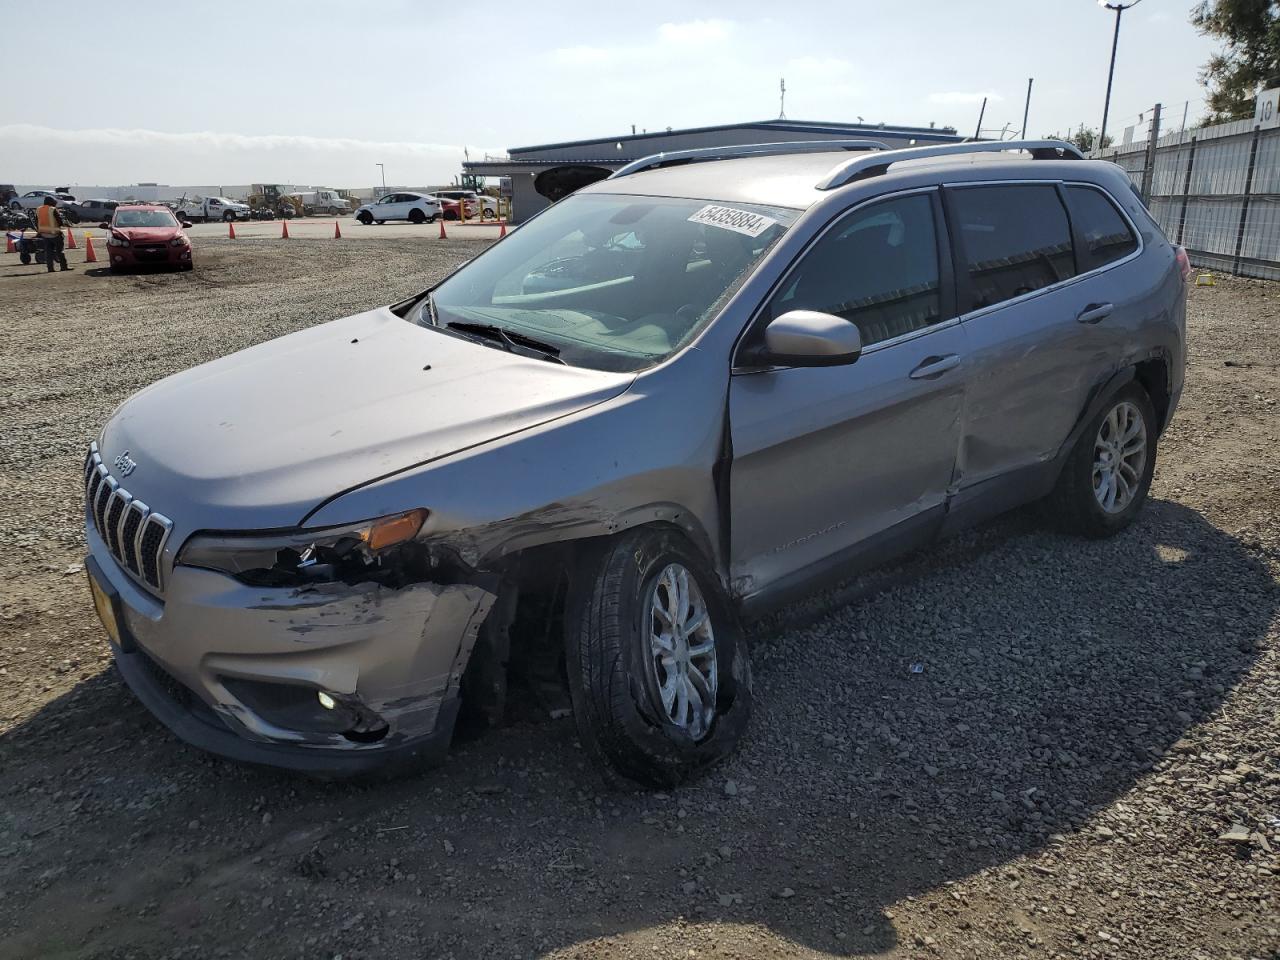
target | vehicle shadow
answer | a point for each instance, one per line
(1056, 673)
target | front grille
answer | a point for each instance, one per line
(133, 532)
(151, 252)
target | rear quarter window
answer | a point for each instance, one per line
(1105, 234)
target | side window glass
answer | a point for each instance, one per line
(878, 268)
(1105, 232)
(1012, 239)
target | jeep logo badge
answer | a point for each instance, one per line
(125, 464)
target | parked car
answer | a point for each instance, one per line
(477, 203)
(752, 374)
(35, 198)
(452, 209)
(414, 207)
(204, 209)
(93, 211)
(328, 202)
(146, 235)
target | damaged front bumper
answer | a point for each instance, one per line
(327, 680)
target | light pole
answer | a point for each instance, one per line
(1119, 8)
(384, 176)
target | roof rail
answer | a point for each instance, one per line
(860, 168)
(702, 154)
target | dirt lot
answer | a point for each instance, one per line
(1094, 724)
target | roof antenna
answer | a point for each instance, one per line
(782, 98)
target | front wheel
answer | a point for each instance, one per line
(229, 216)
(657, 666)
(1105, 480)
(366, 218)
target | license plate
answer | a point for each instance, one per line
(106, 610)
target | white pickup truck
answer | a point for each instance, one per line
(323, 202)
(212, 208)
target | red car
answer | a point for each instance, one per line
(450, 210)
(147, 234)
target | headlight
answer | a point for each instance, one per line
(353, 553)
(178, 242)
(117, 242)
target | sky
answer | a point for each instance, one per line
(320, 91)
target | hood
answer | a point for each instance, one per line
(147, 234)
(259, 438)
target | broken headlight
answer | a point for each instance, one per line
(355, 553)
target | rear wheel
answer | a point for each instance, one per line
(657, 666)
(1105, 480)
(417, 216)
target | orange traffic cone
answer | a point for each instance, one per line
(231, 230)
(71, 239)
(8, 243)
(89, 255)
(443, 235)
(337, 233)
(502, 231)
(284, 229)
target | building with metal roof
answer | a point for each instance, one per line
(542, 174)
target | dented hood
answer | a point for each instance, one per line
(260, 438)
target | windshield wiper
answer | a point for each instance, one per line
(510, 340)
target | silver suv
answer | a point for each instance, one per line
(681, 394)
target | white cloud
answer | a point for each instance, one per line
(582, 56)
(672, 39)
(819, 68)
(695, 31)
(956, 96)
(114, 155)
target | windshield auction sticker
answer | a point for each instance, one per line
(729, 218)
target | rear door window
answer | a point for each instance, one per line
(1104, 233)
(1011, 240)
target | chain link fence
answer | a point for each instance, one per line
(1215, 190)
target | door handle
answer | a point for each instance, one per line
(1094, 312)
(931, 367)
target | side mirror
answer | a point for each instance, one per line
(808, 338)
(186, 224)
(104, 225)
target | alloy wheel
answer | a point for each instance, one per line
(1119, 457)
(682, 650)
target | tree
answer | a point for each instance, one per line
(1250, 61)
(1084, 138)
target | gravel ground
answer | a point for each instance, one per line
(1086, 766)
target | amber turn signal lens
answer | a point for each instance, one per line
(392, 530)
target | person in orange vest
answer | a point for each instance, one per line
(49, 227)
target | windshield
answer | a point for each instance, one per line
(612, 282)
(144, 218)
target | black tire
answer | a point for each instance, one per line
(417, 216)
(72, 216)
(450, 215)
(616, 704)
(25, 258)
(229, 216)
(365, 218)
(1073, 506)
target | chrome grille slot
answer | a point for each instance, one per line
(134, 533)
(133, 517)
